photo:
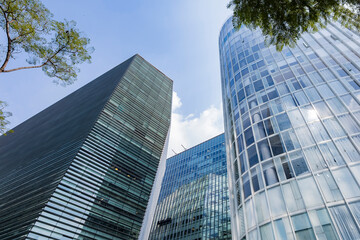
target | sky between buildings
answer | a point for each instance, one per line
(180, 38)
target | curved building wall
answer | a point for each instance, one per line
(292, 134)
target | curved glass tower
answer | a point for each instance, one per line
(292, 134)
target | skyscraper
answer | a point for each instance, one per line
(84, 167)
(193, 202)
(292, 134)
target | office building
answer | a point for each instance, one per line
(193, 202)
(292, 134)
(84, 167)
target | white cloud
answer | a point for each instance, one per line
(176, 102)
(191, 129)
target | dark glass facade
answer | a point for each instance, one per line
(84, 167)
(193, 202)
(292, 126)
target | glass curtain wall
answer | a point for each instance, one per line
(292, 134)
(194, 201)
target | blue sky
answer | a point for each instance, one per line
(180, 38)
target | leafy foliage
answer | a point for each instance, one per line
(283, 21)
(3, 119)
(57, 47)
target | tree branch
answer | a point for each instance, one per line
(38, 66)
(15, 69)
(8, 53)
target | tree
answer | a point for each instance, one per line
(3, 120)
(283, 21)
(57, 47)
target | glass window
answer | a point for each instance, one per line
(241, 95)
(270, 174)
(346, 183)
(318, 131)
(259, 131)
(240, 143)
(250, 59)
(283, 121)
(246, 185)
(325, 91)
(309, 113)
(304, 135)
(282, 88)
(328, 187)
(349, 124)
(322, 109)
(272, 93)
(243, 164)
(355, 208)
(279, 78)
(322, 224)
(352, 85)
(331, 154)
(298, 163)
(293, 197)
(249, 90)
(277, 204)
(258, 85)
(262, 210)
(356, 172)
(253, 234)
(302, 227)
(266, 111)
(277, 106)
(255, 115)
(313, 94)
(304, 80)
(266, 232)
(279, 168)
(314, 158)
(283, 229)
(301, 98)
(316, 78)
(264, 149)
(333, 128)
(356, 140)
(296, 118)
(338, 87)
(246, 121)
(256, 178)
(348, 150)
(288, 75)
(244, 72)
(276, 145)
(252, 102)
(253, 158)
(310, 192)
(269, 127)
(249, 138)
(346, 225)
(262, 97)
(295, 85)
(288, 102)
(249, 210)
(336, 106)
(327, 75)
(290, 140)
(309, 68)
(269, 81)
(350, 102)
